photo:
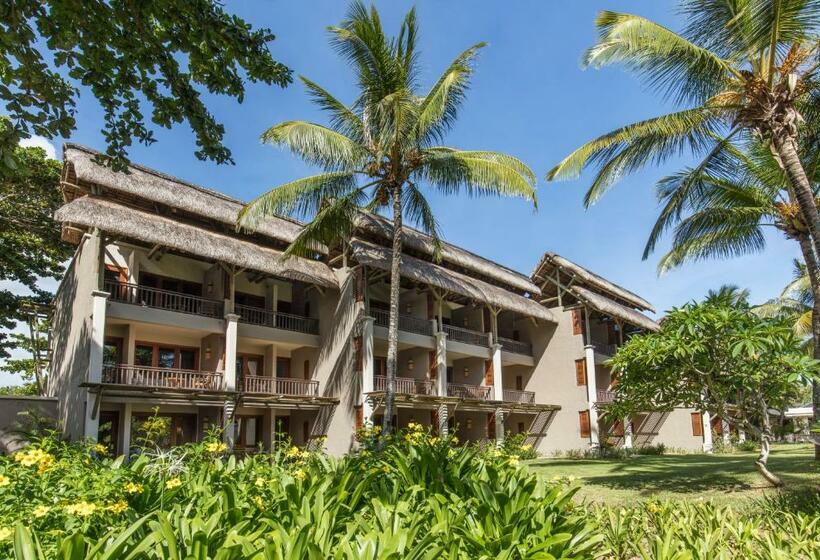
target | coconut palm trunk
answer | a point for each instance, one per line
(814, 279)
(786, 149)
(393, 325)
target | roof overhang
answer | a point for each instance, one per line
(450, 281)
(614, 309)
(131, 223)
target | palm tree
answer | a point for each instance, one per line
(740, 67)
(728, 294)
(379, 152)
(795, 302)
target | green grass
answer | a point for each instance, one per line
(724, 478)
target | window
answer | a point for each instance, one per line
(248, 431)
(519, 382)
(112, 352)
(170, 284)
(149, 354)
(581, 371)
(306, 369)
(283, 306)
(521, 428)
(379, 365)
(115, 274)
(697, 424)
(583, 419)
(282, 367)
(181, 428)
(449, 374)
(249, 364)
(250, 300)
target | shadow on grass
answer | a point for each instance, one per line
(686, 474)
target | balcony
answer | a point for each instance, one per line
(522, 397)
(405, 385)
(277, 320)
(262, 385)
(469, 392)
(605, 396)
(515, 346)
(407, 323)
(164, 299)
(605, 349)
(162, 378)
(459, 334)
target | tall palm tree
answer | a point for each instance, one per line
(380, 152)
(795, 302)
(740, 68)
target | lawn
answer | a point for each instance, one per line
(723, 478)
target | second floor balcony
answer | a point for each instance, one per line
(515, 346)
(605, 396)
(407, 323)
(466, 336)
(405, 385)
(277, 319)
(157, 298)
(288, 386)
(521, 397)
(469, 392)
(162, 378)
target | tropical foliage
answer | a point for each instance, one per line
(128, 55)
(379, 153)
(718, 358)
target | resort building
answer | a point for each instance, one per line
(167, 309)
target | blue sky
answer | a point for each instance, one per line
(530, 98)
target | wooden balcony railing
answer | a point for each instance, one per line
(262, 385)
(605, 396)
(470, 392)
(514, 396)
(407, 323)
(515, 346)
(405, 385)
(164, 299)
(276, 319)
(162, 378)
(605, 349)
(466, 336)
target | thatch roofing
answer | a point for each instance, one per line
(614, 309)
(132, 223)
(421, 242)
(571, 272)
(424, 272)
(154, 186)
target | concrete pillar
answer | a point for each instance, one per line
(229, 377)
(134, 266)
(707, 432)
(125, 421)
(95, 362)
(130, 350)
(368, 369)
(726, 429)
(627, 433)
(741, 435)
(267, 429)
(498, 374)
(592, 395)
(271, 355)
(441, 380)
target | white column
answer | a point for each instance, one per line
(130, 349)
(271, 354)
(627, 433)
(741, 435)
(95, 362)
(126, 429)
(367, 370)
(592, 394)
(726, 429)
(229, 377)
(498, 390)
(441, 380)
(707, 432)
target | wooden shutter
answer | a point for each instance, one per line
(431, 359)
(583, 418)
(697, 424)
(357, 343)
(581, 371)
(618, 428)
(488, 372)
(490, 425)
(519, 382)
(717, 426)
(577, 322)
(359, 417)
(307, 369)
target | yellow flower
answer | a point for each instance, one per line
(451, 453)
(454, 440)
(173, 483)
(513, 461)
(4, 480)
(293, 452)
(81, 509)
(5, 532)
(260, 482)
(100, 449)
(41, 511)
(258, 501)
(118, 507)
(526, 447)
(45, 463)
(434, 440)
(653, 507)
(299, 474)
(216, 447)
(133, 488)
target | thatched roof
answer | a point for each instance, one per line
(154, 186)
(614, 309)
(131, 223)
(421, 242)
(424, 272)
(571, 273)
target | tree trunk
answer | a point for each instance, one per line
(393, 326)
(814, 278)
(786, 148)
(765, 448)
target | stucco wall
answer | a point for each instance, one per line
(71, 336)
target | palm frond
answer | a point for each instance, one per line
(419, 213)
(299, 198)
(342, 118)
(317, 145)
(665, 60)
(439, 107)
(334, 221)
(504, 159)
(720, 242)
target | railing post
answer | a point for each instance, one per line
(229, 377)
(367, 369)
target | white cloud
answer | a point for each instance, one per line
(40, 142)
